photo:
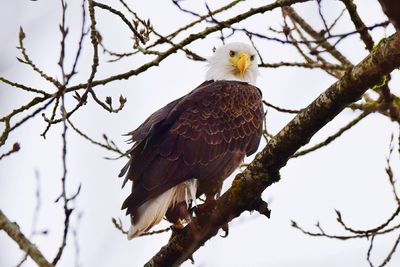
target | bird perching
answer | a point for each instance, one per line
(190, 146)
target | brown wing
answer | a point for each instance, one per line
(203, 135)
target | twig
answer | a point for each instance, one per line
(389, 171)
(53, 115)
(392, 251)
(29, 62)
(67, 209)
(95, 63)
(16, 147)
(123, 18)
(189, 54)
(118, 225)
(23, 87)
(106, 146)
(322, 17)
(331, 138)
(307, 65)
(367, 231)
(201, 18)
(371, 244)
(84, 33)
(322, 233)
(76, 241)
(337, 19)
(280, 109)
(359, 24)
(6, 119)
(155, 232)
(317, 36)
(341, 37)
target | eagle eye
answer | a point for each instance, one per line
(232, 53)
(252, 57)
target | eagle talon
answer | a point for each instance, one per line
(208, 205)
(177, 227)
(193, 210)
(225, 228)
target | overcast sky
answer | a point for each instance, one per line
(349, 175)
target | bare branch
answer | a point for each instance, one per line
(368, 231)
(307, 65)
(29, 62)
(16, 147)
(392, 251)
(359, 24)
(331, 138)
(317, 36)
(285, 110)
(124, 19)
(23, 87)
(106, 146)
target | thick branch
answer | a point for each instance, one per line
(15, 233)
(247, 187)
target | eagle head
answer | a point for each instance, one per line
(233, 61)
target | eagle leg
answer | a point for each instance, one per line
(178, 215)
(205, 208)
(177, 227)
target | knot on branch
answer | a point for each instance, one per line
(262, 207)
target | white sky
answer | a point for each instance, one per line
(348, 175)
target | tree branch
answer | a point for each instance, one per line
(331, 138)
(13, 231)
(359, 24)
(317, 36)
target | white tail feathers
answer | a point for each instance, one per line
(152, 211)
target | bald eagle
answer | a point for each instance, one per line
(190, 146)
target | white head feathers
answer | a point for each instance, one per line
(235, 62)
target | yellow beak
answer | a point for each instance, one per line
(241, 61)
